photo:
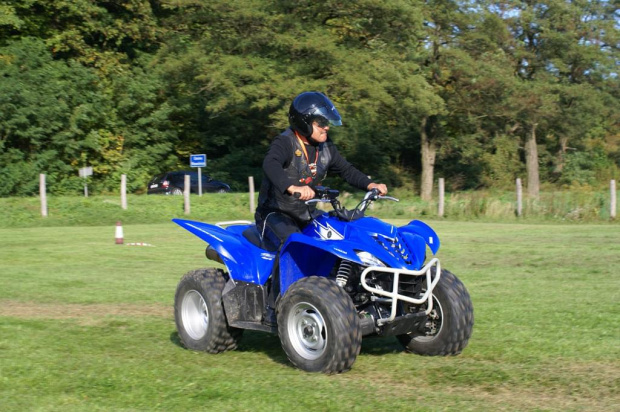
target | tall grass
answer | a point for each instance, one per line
(491, 206)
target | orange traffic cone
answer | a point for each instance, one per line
(119, 233)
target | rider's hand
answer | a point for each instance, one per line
(306, 192)
(380, 187)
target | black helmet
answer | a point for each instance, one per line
(311, 107)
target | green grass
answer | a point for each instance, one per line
(87, 325)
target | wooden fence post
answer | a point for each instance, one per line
(186, 194)
(43, 195)
(519, 197)
(251, 184)
(612, 190)
(441, 196)
(124, 192)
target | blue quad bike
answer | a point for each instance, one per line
(346, 276)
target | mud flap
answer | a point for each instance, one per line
(244, 305)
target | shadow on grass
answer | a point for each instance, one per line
(252, 341)
(378, 345)
(269, 344)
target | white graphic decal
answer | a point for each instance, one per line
(327, 232)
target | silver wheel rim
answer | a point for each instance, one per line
(434, 324)
(307, 331)
(195, 315)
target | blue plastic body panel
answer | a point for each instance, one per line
(243, 260)
(423, 230)
(315, 251)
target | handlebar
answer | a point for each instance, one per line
(327, 195)
(374, 194)
(321, 194)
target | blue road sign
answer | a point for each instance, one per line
(198, 160)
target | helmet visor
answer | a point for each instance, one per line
(326, 116)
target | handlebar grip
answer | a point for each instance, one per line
(296, 195)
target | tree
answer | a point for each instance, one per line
(47, 108)
(247, 60)
(558, 45)
(89, 93)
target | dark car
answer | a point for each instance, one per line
(172, 183)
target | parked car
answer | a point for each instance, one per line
(172, 183)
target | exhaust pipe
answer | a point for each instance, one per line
(213, 255)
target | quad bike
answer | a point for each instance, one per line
(346, 276)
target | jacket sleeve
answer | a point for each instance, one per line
(277, 159)
(347, 171)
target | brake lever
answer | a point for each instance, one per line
(308, 202)
(388, 198)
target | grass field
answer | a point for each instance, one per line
(87, 325)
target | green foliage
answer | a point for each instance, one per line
(57, 116)
(45, 108)
(135, 86)
(584, 167)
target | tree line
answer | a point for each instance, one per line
(479, 92)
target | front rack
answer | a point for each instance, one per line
(394, 296)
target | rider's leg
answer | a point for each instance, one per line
(277, 227)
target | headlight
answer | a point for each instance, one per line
(369, 259)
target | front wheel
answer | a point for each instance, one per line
(199, 314)
(449, 324)
(318, 326)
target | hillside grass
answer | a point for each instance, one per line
(86, 324)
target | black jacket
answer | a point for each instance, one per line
(286, 164)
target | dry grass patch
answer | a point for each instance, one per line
(32, 310)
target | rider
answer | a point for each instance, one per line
(297, 160)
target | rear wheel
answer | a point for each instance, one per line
(199, 314)
(176, 192)
(318, 326)
(449, 324)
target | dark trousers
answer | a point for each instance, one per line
(276, 227)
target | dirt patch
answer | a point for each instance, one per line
(76, 311)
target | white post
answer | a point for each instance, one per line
(519, 197)
(43, 195)
(124, 191)
(186, 194)
(200, 181)
(251, 184)
(612, 189)
(441, 196)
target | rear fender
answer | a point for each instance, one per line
(244, 261)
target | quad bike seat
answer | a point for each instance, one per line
(253, 235)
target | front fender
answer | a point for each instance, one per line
(243, 260)
(423, 230)
(302, 256)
